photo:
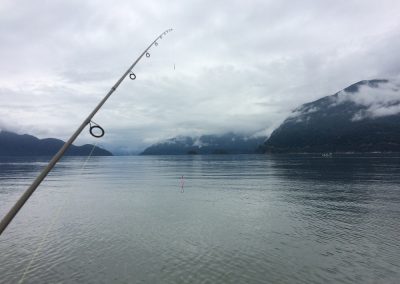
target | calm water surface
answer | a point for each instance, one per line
(240, 219)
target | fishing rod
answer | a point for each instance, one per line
(93, 131)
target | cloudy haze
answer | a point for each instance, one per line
(240, 66)
(382, 101)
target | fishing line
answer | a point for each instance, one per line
(93, 129)
(53, 221)
(172, 52)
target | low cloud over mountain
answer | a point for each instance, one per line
(206, 144)
(363, 117)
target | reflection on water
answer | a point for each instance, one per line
(241, 219)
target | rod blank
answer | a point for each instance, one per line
(25, 196)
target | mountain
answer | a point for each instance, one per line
(12, 144)
(207, 144)
(364, 117)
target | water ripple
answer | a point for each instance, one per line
(241, 219)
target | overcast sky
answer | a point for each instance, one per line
(240, 66)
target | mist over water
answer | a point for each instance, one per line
(240, 219)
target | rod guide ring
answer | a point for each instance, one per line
(94, 128)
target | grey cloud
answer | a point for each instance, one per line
(380, 100)
(240, 66)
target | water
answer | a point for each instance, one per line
(240, 219)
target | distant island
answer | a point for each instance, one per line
(363, 117)
(12, 144)
(228, 143)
